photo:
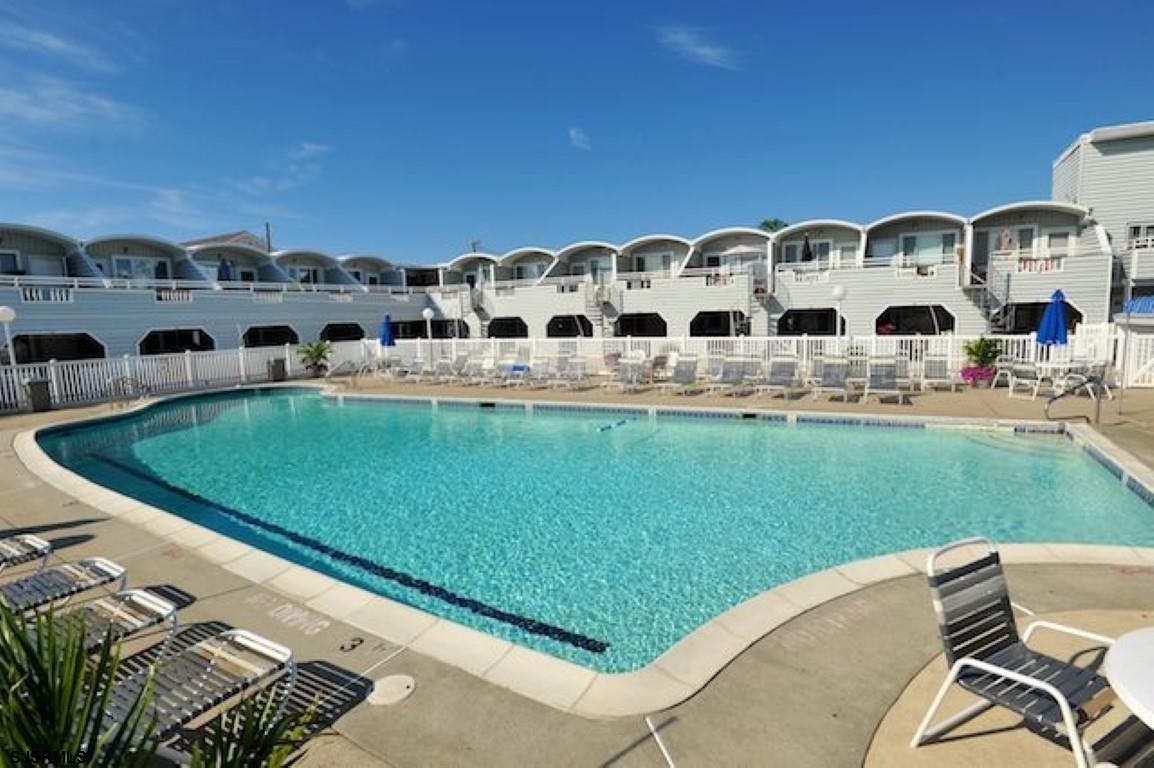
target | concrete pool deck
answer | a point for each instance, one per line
(791, 694)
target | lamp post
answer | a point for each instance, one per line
(428, 313)
(838, 292)
(7, 315)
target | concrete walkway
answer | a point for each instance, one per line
(811, 693)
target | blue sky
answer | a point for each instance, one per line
(408, 128)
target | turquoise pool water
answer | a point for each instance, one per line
(602, 546)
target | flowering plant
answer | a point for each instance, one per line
(977, 374)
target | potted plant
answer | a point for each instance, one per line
(982, 353)
(315, 356)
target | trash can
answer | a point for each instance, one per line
(276, 369)
(39, 394)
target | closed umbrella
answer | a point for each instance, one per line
(1052, 329)
(387, 339)
(806, 250)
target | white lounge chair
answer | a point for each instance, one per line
(833, 377)
(988, 658)
(23, 548)
(783, 377)
(731, 380)
(937, 372)
(882, 380)
(684, 378)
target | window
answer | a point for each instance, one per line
(270, 336)
(42, 347)
(9, 262)
(342, 332)
(719, 324)
(374, 280)
(139, 268)
(791, 253)
(909, 245)
(1141, 235)
(925, 319)
(508, 328)
(176, 340)
(1058, 243)
(641, 324)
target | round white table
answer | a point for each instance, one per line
(1129, 667)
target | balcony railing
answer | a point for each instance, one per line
(152, 284)
(1030, 261)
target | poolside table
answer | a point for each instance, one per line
(1129, 667)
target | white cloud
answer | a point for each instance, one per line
(27, 40)
(309, 149)
(689, 43)
(579, 139)
(303, 165)
(49, 101)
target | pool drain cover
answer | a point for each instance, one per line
(391, 690)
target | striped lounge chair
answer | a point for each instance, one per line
(60, 582)
(203, 679)
(988, 657)
(118, 617)
(23, 548)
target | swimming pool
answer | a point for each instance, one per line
(598, 537)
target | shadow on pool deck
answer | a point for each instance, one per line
(811, 693)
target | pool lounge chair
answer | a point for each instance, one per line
(1003, 369)
(783, 377)
(834, 378)
(882, 380)
(119, 616)
(731, 380)
(572, 374)
(1026, 376)
(539, 375)
(202, 679)
(23, 548)
(411, 373)
(684, 378)
(60, 582)
(628, 376)
(937, 372)
(988, 657)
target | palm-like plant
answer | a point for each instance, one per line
(54, 697)
(315, 356)
(257, 732)
(773, 225)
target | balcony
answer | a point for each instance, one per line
(1030, 261)
(1140, 260)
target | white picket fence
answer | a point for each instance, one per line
(1095, 344)
(79, 382)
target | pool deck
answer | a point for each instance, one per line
(832, 685)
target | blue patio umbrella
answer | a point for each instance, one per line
(1052, 329)
(387, 339)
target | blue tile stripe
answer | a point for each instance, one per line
(399, 577)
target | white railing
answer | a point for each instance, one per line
(1090, 343)
(1030, 262)
(80, 382)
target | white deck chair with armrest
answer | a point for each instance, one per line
(988, 657)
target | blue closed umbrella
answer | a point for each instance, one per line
(1052, 329)
(387, 339)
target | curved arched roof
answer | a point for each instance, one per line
(511, 256)
(953, 217)
(328, 260)
(801, 226)
(464, 257)
(1046, 205)
(46, 234)
(158, 242)
(728, 231)
(582, 245)
(261, 256)
(342, 260)
(637, 242)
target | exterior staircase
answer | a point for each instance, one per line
(600, 300)
(992, 295)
